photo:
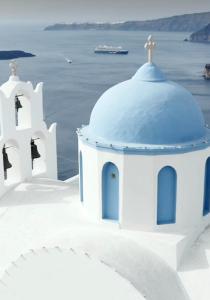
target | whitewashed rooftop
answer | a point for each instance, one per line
(44, 230)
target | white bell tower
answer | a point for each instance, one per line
(27, 146)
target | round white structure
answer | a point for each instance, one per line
(144, 155)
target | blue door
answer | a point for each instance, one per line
(206, 205)
(81, 176)
(166, 206)
(110, 192)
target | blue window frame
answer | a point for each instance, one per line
(166, 202)
(206, 204)
(110, 192)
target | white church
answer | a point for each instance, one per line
(134, 224)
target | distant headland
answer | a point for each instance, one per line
(181, 23)
(13, 54)
(202, 35)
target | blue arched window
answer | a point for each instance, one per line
(206, 204)
(166, 202)
(81, 176)
(110, 192)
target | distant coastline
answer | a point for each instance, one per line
(201, 36)
(13, 54)
(181, 23)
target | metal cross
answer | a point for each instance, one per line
(13, 68)
(150, 46)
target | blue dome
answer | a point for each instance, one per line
(147, 109)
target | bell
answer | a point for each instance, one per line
(34, 151)
(6, 162)
(18, 104)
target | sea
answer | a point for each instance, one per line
(71, 90)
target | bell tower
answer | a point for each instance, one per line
(28, 147)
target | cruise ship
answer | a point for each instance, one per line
(110, 50)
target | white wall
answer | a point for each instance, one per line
(20, 136)
(138, 175)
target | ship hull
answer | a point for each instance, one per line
(120, 52)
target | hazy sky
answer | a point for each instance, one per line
(96, 10)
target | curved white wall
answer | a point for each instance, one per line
(138, 184)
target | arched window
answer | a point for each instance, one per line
(206, 204)
(110, 192)
(81, 176)
(11, 163)
(166, 202)
(38, 154)
(22, 110)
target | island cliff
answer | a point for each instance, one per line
(187, 22)
(12, 54)
(202, 35)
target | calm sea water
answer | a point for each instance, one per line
(70, 91)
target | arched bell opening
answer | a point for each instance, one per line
(22, 110)
(11, 163)
(38, 154)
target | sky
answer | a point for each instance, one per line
(51, 11)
